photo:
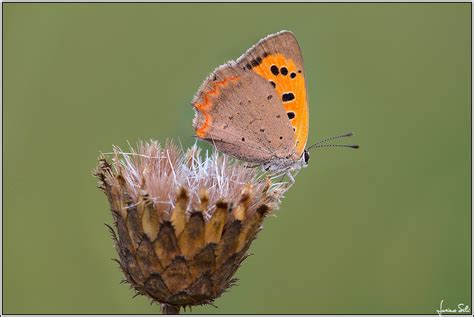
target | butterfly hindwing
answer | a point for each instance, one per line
(240, 113)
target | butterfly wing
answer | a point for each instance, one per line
(240, 113)
(277, 58)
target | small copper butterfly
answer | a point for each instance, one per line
(256, 107)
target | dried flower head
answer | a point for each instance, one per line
(183, 222)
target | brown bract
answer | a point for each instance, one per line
(183, 221)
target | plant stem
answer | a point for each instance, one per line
(169, 309)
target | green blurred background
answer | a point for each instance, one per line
(385, 229)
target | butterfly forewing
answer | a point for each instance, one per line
(278, 59)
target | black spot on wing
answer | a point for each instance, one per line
(256, 62)
(287, 97)
(284, 71)
(274, 70)
(291, 115)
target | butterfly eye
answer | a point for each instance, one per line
(306, 156)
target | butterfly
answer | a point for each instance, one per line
(256, 107)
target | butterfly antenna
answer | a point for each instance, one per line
(345, 135)
(355, 146)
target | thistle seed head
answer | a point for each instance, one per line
(183, 220)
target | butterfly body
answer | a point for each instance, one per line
(255, 108)
(286, 164)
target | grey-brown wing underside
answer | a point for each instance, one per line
(240, 113)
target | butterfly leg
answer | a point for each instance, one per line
(282, 177)
(292, 179)
(251, 166)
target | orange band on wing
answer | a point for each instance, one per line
(205, 106)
